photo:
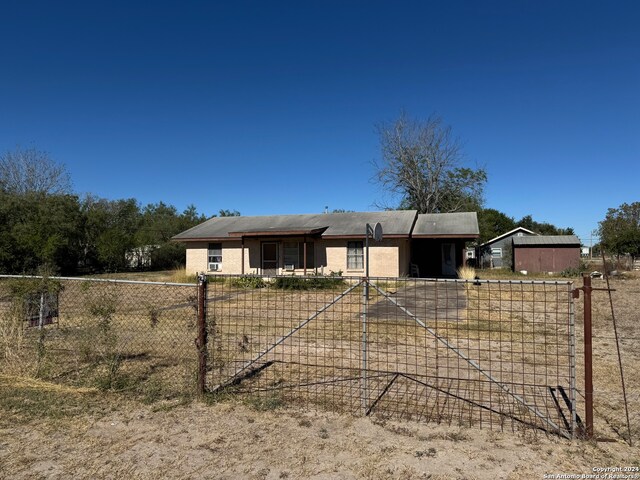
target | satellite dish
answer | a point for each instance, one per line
(377, 232)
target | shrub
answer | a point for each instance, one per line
(248, 281)
(313, 282)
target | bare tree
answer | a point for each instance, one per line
(32, 171)
(421, 162)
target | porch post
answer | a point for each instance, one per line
(304, 253)
(242, 255)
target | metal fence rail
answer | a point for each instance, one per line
(106, 333)
(485, 353)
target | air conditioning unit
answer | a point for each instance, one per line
(215, 267)
(289, 268)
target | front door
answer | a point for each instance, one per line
(269, 258)
(449, 259)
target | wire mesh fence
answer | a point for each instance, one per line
(608, 398)
(105, 333)
(497, 354)
(474, 353)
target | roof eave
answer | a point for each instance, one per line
(448, 235)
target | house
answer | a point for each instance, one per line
(496, 253)
(422, 245)
(546, 253)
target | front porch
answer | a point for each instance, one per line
(436, 257)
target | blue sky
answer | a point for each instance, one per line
(271, 107)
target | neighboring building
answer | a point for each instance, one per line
(546, 253)
(496, 253)
(140, 257)
(422, 245)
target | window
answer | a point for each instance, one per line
(215, 257)
(355, 255)
(294, 255)
(496, 253)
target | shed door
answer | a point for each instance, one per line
(269, 258)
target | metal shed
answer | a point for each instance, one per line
(546, 253)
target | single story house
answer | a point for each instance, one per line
(496, 253)
(546, 253)
(414, 244)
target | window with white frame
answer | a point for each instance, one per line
(496, 252)
(215, 257)
(294, 255)
(355, 255)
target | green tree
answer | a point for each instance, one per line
(422, 164)
(229, 213)
(110, 232)
(620, 230)
(190, 218)
(543, 228)
(39, 230)
(492, 223)
(160, 222)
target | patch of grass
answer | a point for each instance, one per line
(264, 403)
(26, 399)
(180, 275)
(466, 273)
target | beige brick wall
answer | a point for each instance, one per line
(197, 257)
(388, 258)
(383, 261)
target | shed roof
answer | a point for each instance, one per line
(394, 223)
(546, 240)
(461, 224)
(510, 232)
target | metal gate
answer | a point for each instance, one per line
(472, 353)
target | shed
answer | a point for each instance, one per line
(546, 253)
(496, 253)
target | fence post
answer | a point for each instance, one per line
(364, 393)
(201, 341)
(588, 357)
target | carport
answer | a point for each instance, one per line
(438, 243)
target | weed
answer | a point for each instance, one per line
(466, 273)
(305, 423)
(431, 452)
(154, 315)
(248, 281)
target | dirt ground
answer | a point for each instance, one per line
(49, 430)
(87, 434)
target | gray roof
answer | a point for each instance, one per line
(542, 240)
(396, 222)
(510, 232)
(446, 224)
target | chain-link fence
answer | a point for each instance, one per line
(484, 353)
(106, 333)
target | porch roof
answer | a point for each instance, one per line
(447, 225)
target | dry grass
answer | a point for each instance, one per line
(81, 434)
(84, 431)
(466, 273)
